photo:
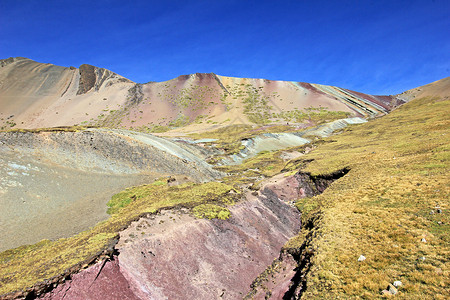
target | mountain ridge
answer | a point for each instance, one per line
(34, 95)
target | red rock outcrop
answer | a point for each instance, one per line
(87, 79)
(109, 284)
(174, 256)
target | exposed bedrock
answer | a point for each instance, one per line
(87, 79)
(286, 277)
(300, 185)
(135, 95)
(174, 256)
(93, 78)
(314, 185)
(110, 284)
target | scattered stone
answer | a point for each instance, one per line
(385, 293)
(392, 289)
(431, 212)
(423, 240)
(397, 283)
(422, 258)
(362, 258)
(439, 210)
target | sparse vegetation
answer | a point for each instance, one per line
(50, 129)
(312, 114)
(180, 121)
(256, 106)
(8, 124)
(211, 211)
(228, 138)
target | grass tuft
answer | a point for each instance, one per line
(211, 211)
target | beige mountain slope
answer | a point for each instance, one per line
(43, 95)
(439, 88)
(35, 95)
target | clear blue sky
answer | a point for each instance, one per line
(378, 47)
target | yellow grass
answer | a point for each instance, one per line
(382, 208)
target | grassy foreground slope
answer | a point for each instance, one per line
(392, 208)
(23, 267)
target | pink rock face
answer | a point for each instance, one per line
(203, 259)
(174, 256)
(277, 282)
(286, 188)
(110, 284)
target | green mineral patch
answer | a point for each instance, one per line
(229, 138)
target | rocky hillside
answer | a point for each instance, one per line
(46, 177)
(34, 95)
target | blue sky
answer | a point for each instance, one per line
(378, 47)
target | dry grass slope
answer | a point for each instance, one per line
(386, 208)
